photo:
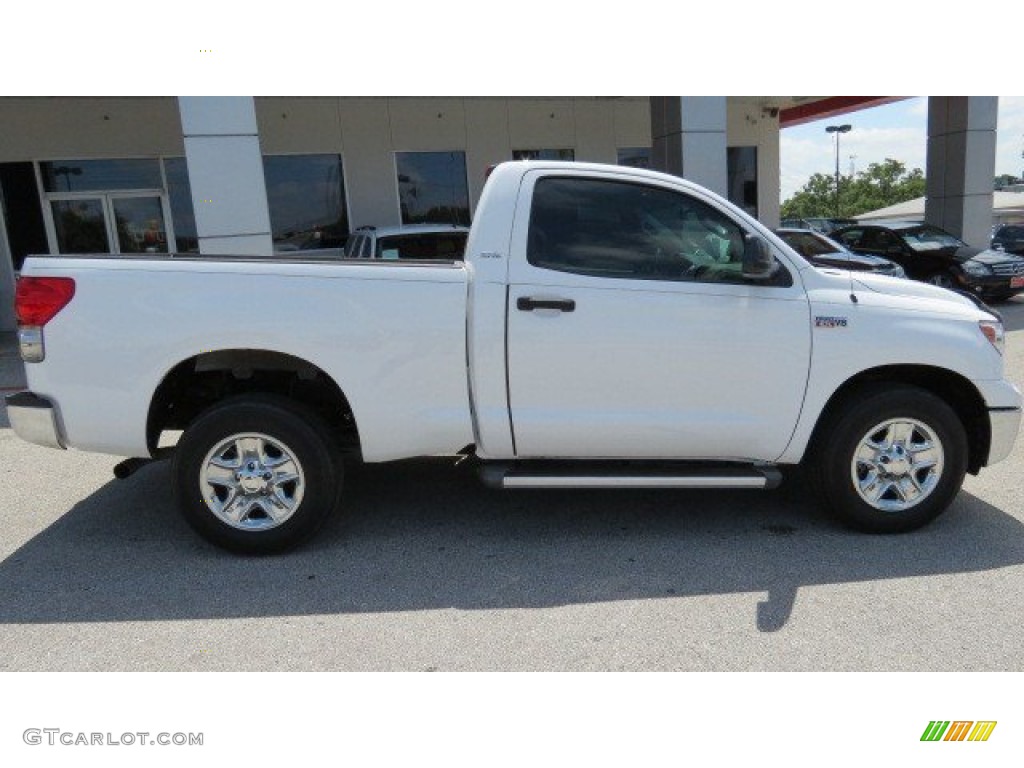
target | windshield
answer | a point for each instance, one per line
(929, 239)
(809, 245)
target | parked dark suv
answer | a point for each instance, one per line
(934, 256)
(1009, 238)
(822, 251)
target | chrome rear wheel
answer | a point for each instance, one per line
(252, 481)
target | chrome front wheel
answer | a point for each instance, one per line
(897, 465)
(890, 457)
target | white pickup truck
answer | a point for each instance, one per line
(610, 327)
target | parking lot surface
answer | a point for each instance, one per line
(425, 569)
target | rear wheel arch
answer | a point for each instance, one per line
(195, 384)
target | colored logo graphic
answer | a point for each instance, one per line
(958, 730)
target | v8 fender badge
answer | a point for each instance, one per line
(829, 322)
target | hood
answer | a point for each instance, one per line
(857, 262)
(912, 289)
(989, 256)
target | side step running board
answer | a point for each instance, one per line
(629, 474)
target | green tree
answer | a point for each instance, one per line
(879, 186)
(816, 198)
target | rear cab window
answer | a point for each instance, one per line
(445, 246)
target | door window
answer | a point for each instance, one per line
(624, 230)
(81, 225)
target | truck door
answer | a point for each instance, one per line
(631, 332)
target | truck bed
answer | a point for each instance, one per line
(402, 326)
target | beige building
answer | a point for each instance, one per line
(262, 175)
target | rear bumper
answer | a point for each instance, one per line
(1004, 423)
(34, 419)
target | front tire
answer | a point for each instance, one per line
(256, 474)
(943, 280)
(891, 460)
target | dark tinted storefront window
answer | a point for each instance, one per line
(26, 232)
(98, 175)
(306, 195)
(179, 193)
(543, 154)
(741, 164)
(432, 187)
(635, 157)
(80, 226)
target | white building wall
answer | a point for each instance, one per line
(748, 124)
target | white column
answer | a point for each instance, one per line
(688, 139)
(225, 170)
(961, 165)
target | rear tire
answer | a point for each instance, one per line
(256, 474)
(891, 460)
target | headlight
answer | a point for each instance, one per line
(976, 268)
(993, 331)
(898, 271)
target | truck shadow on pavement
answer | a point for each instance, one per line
(425, 534)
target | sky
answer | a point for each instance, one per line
(898, 131)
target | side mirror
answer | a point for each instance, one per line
(758, 262)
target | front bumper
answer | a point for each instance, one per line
(994, 285)
(1004, 423)
(34, 419)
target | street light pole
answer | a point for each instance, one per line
(837, 130)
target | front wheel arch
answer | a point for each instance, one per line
(956, 390)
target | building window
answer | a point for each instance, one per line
(100, 175)
(543, 154)
(179, 193)
(741, 167)
(306, 196)
(19, 195)
(635, 157)
(106, 206)
(432, 187)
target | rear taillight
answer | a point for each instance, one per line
(38, 299)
